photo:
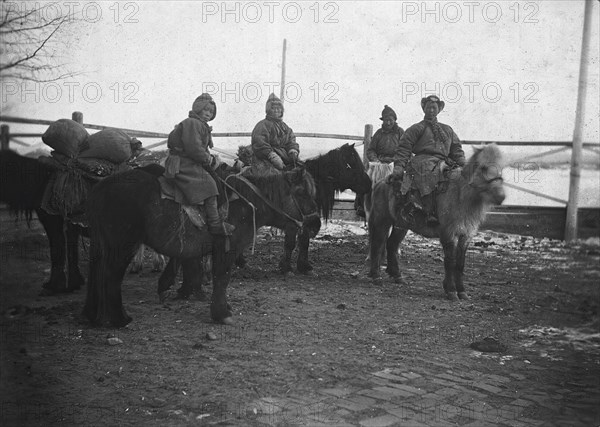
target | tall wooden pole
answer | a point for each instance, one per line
(282, 89)
(572, 206)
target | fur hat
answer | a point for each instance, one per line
(387, 111)
(273, 100)
(432, 98)
(201, 102)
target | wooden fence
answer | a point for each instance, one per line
(533, 221)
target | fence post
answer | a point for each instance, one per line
(4, 137)
(77, 116)
(573, 205)
(366, 143)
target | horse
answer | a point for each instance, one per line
(126, 210)
(337, 170)
(22, 188)
(461, 208)
(24, 181)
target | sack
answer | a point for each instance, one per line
(108, 144)
(65, 136)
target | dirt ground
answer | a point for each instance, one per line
(313, 350)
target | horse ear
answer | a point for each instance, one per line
(352, 146)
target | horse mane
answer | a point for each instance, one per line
(274, 187)
(468, 208)
(325, 169)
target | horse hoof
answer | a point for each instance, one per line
(228, 321)
(464, 295)
(306, 273)
(166, 295)
(400, 281)
(452, 296)
(377, 281)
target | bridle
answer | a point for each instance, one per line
(486, 183)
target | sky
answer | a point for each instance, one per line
(507, 70)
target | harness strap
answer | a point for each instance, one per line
(256, 190)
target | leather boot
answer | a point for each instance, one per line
(216, 225)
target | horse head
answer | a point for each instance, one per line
(352, 173)
(483, 172)
(303, 193)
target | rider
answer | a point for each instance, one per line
(435, 147)
(383, 146)
(274, 144)
(189, 162)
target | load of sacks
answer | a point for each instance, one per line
(80, 160)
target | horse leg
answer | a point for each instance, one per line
(461, 252)
(167, 279)
(450, 250)
(220, 310)
(104, 304)
(393, 242)
(75, 279)
(302, 265)
(193, 275)
(240, 261)
(53, 225)
(289, 244)
(137, 264)
(378, 236)
(206, 277)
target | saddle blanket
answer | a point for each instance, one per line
(168, 190)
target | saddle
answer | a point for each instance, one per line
(414, 208)
(170, 191)
(195, 213)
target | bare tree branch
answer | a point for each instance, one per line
(30, 40)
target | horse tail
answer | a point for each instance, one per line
(115, 236)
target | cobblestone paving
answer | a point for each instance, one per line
(445, 396)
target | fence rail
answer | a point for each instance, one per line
(147, 134)
(552, 228)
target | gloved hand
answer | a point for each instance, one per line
(294, 156)
(276, 161)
